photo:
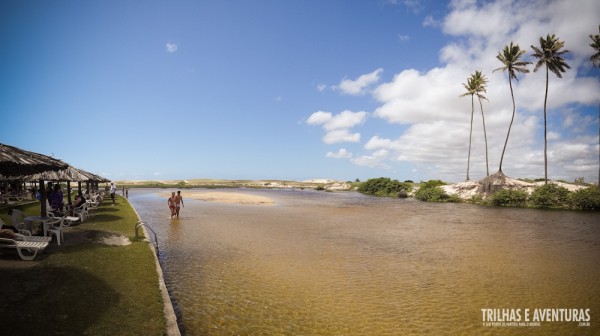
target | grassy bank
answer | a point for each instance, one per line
(84, 286)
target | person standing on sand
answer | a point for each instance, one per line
(171, 202)
(178, 199)
(113, 190)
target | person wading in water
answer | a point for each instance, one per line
(171, 203)
(178, 200)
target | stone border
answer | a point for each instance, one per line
(169, 312)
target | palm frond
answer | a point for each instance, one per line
(595, 58)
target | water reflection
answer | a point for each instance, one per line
(321, 263)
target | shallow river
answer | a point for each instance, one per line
(319, 263)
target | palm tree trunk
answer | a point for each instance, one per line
(487, 166)
(470, 136)
(545, 128)
(511, 122)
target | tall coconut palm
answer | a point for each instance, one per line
(475, 86)
(470, 86)
(595, 59)
(481, 82)
(510, 59)
(549, 54)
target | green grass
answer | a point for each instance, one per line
(84, 287)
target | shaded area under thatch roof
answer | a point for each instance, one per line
(18, 162)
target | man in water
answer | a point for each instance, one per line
(178, 203)
(171, 203)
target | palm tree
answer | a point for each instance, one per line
(510, 59)
(549, 54)
(481, 81)
(475, 86)
(595, 59)
(470, 87)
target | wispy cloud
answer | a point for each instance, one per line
(430, 21)
(359, 85)
(171, 47)
(342, 153)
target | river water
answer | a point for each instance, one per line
(321, 263)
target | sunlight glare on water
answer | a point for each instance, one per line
(320, 263)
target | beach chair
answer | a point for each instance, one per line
(81, 212)
(55, 227)
(18, 221)
(92, 202)
(27, 248)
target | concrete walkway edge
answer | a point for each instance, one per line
(170, 318)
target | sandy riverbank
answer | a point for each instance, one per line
(224, 197)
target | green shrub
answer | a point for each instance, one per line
(431, 194)
(549, 195)
(432, 183)
(509, 197)
(384, 186)
(586, 199)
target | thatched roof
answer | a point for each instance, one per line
(69, 174)
(17, 162)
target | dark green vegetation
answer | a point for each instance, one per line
(83, 287)
(545, 196)
(431, 191)
(384, 186)
(509, 197)
(549, 196)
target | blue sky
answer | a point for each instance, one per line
(293, 89)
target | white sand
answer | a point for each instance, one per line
(468, 189)
(225, 197)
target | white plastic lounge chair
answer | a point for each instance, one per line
(27, 249)
(81, 212)
(93, 202)
(68, 219)
(55, 226)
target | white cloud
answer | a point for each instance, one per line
(171, 47)
(338, 126)
(358, 86)
(340, 154)
(403, 38)
(340, 135)
(321, 87)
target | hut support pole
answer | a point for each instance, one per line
(43, 212)
(69, 192)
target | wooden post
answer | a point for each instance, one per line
(43, 212)
(69, 192)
